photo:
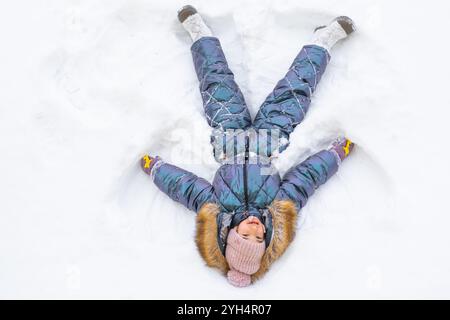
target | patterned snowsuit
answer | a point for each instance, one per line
(239, 188)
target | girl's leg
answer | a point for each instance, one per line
(223, 101)
(287, 105)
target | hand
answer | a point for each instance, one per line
(342, 146)
(147, 163)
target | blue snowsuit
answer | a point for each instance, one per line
(240, 189)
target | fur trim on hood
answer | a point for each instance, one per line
(284, 215)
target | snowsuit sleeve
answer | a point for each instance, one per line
(300, 182)
(183, 186)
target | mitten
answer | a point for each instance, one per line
(342, 147)
(147, 163)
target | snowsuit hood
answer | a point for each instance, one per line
(284, 217)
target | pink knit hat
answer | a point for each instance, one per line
(243, 257)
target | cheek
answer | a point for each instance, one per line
(243, 229)
(261, 232)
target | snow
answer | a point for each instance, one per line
(89, 86)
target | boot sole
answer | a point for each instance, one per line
(186, 12)
(346, 23)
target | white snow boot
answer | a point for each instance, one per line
(193, 23)
(338, 29)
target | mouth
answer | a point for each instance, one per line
(255, 221)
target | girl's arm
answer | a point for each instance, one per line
(300, 182)
(180, 185)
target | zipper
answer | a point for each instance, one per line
(245, 173)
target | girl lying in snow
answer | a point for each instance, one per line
(247, 217)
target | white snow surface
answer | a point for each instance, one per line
(87, 87)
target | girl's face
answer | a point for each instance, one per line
(251, 229)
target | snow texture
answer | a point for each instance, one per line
(87, 87)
